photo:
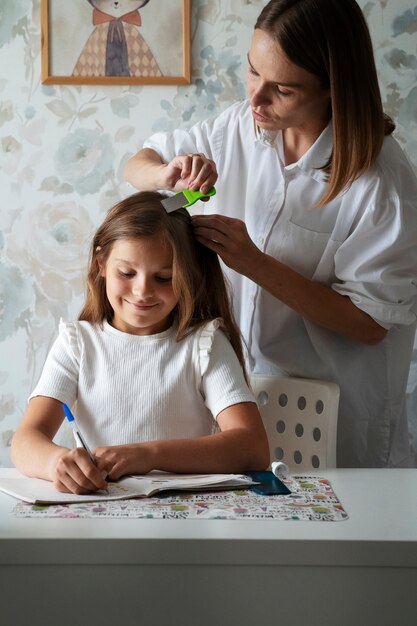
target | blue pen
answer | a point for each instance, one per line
(79, 439)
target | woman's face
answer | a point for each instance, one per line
(282, 94)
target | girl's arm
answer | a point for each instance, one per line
(242, 445)
(146, 171)
(319, 304)
(35, 454)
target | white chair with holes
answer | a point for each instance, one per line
(300, 418)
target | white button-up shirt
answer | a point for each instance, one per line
(363, 245)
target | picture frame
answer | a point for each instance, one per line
(83, 45)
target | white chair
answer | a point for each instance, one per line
(300, 418)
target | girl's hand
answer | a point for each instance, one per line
(228, 237)
(189, 171)
(127, 459)
(75, 473)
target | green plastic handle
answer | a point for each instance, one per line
(193, 196)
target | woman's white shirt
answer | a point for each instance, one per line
(362, 245)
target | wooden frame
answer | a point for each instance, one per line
(85, 73)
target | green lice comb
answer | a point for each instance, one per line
(184, 199)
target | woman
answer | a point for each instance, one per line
(315, 215)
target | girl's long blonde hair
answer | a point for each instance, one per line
(198, 280)
(330, 39)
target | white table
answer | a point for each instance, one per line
(130, 572)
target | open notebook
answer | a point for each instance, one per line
(38, 491)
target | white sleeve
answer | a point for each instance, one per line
(205, 137)
(377, 264)
(59, 378)
(223, 382)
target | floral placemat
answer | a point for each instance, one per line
(311, 499)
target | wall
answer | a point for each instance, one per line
(63, 149)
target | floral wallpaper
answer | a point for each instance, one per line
(63, 150)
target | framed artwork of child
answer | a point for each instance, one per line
(115, 42)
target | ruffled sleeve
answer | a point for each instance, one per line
(59, 377)
(70, 331)
(205, 343)
(222, 380)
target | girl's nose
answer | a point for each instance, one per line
(142, 287)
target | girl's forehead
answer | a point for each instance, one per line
(151, 247)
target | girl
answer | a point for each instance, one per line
(154, 363)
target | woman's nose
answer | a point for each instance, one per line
(258, 96)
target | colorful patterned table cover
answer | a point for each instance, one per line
(312, 499)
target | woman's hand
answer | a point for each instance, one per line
(75, 473)
(189, 171)
(146, 171)
(228, 237)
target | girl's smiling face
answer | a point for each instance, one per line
(138, 276)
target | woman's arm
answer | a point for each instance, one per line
(242, 445)
(313, 301)
(35, 454)
(146, 171)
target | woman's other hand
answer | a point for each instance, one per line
(230, 239)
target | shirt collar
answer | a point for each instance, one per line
(266, 136)
(318, 155)
(315, 158)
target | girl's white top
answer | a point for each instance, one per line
(131, 388)
(362, 245)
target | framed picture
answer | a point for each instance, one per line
(108, 42)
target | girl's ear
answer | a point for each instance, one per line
(100, 262)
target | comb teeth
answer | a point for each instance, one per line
(174, 202)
